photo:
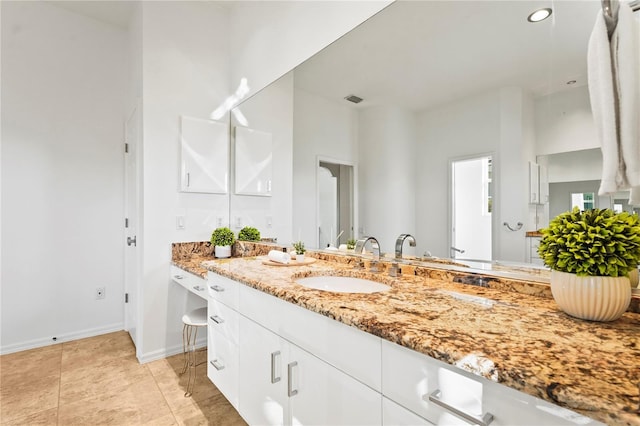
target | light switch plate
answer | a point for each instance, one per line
(180, 222)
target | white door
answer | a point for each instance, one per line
(131, 269)
(472, 204)
(263, 375)
(323, 395)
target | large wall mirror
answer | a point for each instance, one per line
(440, 81)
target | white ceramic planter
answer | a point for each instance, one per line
(591, 298)
(300, 258)
(633, 277)
(223, 251)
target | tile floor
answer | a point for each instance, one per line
(98, 381)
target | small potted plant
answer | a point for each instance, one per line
(298, 248)
(591, 254)
(351, 244)
(249, 233)
(222, 239)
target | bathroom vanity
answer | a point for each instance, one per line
(428, 350)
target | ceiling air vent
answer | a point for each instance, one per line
(353, 98)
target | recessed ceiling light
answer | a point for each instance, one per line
(539, 15)
(353, 98)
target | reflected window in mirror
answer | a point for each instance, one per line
(583, 200)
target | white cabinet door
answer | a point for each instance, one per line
(263, 380)
(222, 365)
(323, 395)
(205, 155)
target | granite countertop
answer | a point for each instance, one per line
(522, 341)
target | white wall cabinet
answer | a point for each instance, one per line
(205, 155)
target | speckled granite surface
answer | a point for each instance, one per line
(524, 340)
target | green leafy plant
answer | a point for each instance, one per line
(597, 242)
(351, 244)
(298, 247)
(249, 233)
(222, 237)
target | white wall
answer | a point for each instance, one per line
(63, 109)
(466, 128)
(268, 39)
(321, 128)
(564, 122)
(270, 111)
(387, 183)
(498, 123)
(185, 72)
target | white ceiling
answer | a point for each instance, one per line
(418, 54)
(112, 12)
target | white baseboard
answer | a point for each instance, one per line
(47, 341)
(167, 352)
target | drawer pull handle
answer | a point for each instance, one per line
(216, 319)
(290, 390)
(274, 379)
(217, 288)
(178, 277)
(197, 288)
(217, 364)
(485, 420)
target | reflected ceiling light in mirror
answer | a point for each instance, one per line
(231, 101)
(539, 15)
(242, 120)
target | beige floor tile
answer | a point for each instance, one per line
(42, 418)
(23, 399)
(110, 376)
(167, 420)
(215, 411)
(171, 364)
(173, 386)
(25, 366)
(96, 350)
(138, 403)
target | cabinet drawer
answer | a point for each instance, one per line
(396, 415)
(191, 282)
(351, 350)
(409, 378)
(223, 289)
(222, 365)
(224, 320)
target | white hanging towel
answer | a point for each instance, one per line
(614, 89)
(627, 52)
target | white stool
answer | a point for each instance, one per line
(192, 321)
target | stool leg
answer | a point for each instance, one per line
(185, 365)
(193, 336)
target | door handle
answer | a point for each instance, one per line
(290, 390)
(434, 397)
(274, 378)
(131, 241)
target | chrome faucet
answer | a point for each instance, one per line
(375, 247)
(400, 242)
(454, 250)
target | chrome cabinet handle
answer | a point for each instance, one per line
(188, 180)
(274, 379)
(217, 288)
(485, 420)
(178, 277)
(197, 288)
(290, 390)
(217, 364)
(216, 319)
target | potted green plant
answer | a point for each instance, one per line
(590, 254)
(298, 248)
(351, 244)
(223, 238)
(249, 233)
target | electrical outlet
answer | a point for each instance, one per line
(100, 293)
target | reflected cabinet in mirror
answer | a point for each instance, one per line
(440, 83)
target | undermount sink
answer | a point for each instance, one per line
(342, 284)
